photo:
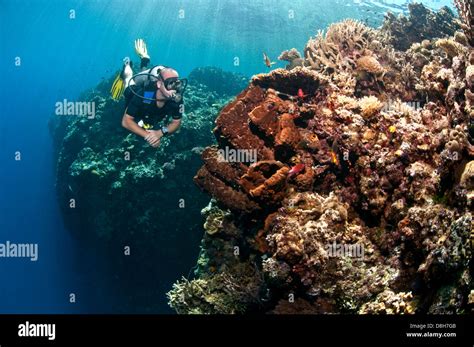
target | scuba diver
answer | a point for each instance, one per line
(151, 96)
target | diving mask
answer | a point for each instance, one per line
(175, 83)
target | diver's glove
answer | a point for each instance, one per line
(142, 52)
(140, 48)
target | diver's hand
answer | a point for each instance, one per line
(140, 48)
(154, 137)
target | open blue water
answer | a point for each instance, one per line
(62, 56)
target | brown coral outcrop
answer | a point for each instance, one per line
(266, 181)
(232, 124)
(230, 198)
(264, 121)
(289, 82)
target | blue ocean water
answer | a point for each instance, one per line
(53, 50)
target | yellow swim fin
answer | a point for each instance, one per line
(117, 87)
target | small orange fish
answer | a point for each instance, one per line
(295, 170)
(267, 60)
(333, 152)
(334, 158)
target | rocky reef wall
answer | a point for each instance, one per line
(116, 191)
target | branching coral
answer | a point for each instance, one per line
(466, 13)
(338, 48)
(353, 53)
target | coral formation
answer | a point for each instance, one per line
(231, 291)
(338, 48)
(369, 106)
(214, 218)
(361, 197)
(293, 57)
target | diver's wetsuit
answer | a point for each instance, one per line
(143, 109)
(146, 110)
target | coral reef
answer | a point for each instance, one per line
(361, 196)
